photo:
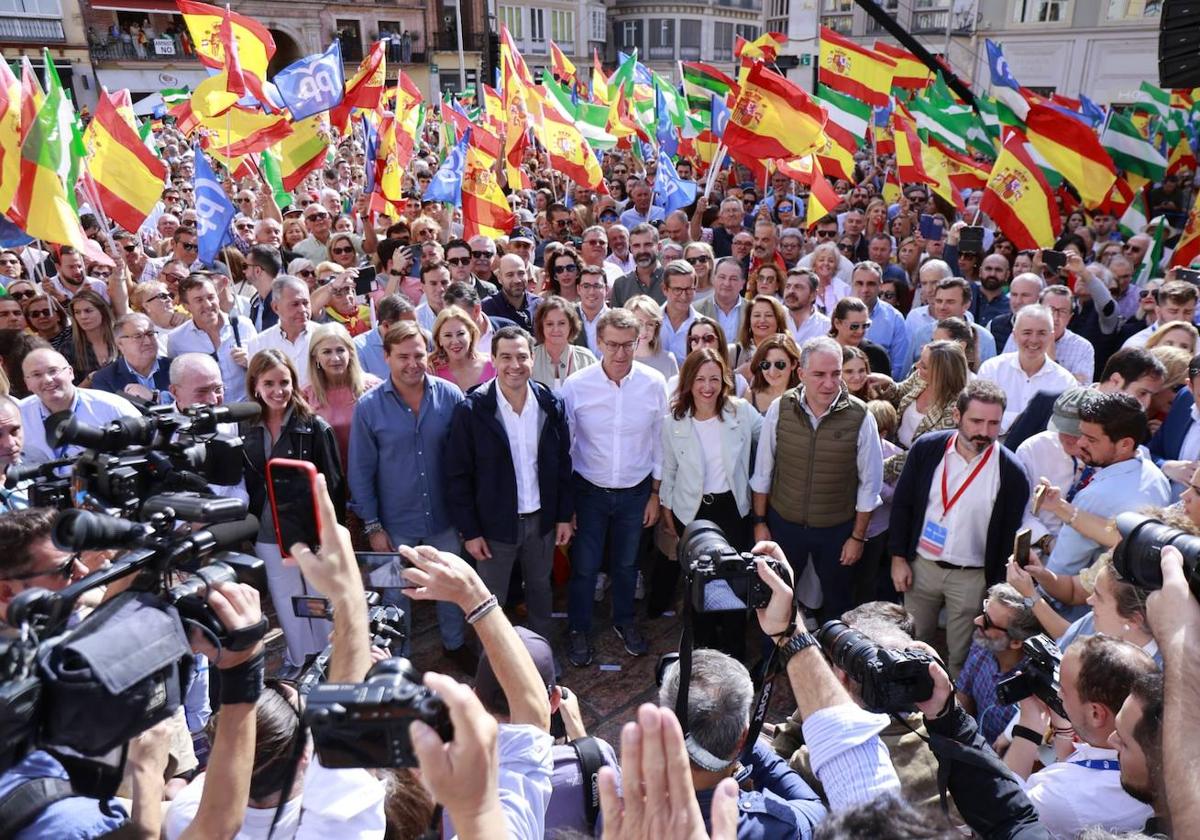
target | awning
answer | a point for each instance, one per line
(165, 7)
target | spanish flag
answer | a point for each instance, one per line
(255, 46)
(569, 152)
(910, 73)
(599, 80)
(560, 65)
(909, 165)
(764, 48)
(1188, 249)
(1018, 199)
(774, 118)
(1074, 150)
(304, 149)
(128, 176)
(10, 133)
(241, 131)
(364, 89)
(485, 208)
(821, 197)
(854, 69)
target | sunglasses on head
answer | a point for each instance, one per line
(778, 364)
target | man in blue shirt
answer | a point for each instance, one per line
(389, 309)
(397, 486)
(887, 324)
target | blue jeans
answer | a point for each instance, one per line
(451, 621)
(823, 546)
(615, 514)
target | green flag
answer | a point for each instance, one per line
(269, 167)
(1131, 151)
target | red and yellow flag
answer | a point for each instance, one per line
(128, 176)
(242, 131)
(821, 197)
(485, 208)
(364, 89)
(1074, 150)
(854, 70)
(304, 149)
(763, 48)
(909, 165)
(560, 65)
(1188, 248)
(211, 40)
(1018, 199)
(774, 118)
(569, 152)
(910, 73)
(10, 134)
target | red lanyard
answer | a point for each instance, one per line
(946, 505)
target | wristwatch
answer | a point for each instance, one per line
(797, 643)
(1033, 599)
(758, 520)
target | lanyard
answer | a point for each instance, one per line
(946, 505)
(1098, 764)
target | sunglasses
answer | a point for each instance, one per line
(101, 274)
(63, 570)
(888, 295)
(313, 217)
(482, 255)
(826, 234)
(245, 227)
(38, 313)
(703, 339)
(566, 267)
(845, 246)
(988, 624)
(189, 246)
(22, 295)
(865, 325)
(345, 250)
(306, 272)
(130, 248)
(163, 296)
(778, 364)
(459, 261)
(697, 260)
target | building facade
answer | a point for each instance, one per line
(576, 26)
(665, 33)
(26, 26)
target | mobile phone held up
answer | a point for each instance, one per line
(292, 489)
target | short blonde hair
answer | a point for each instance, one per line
(452, 313)
(647, 306)
(318, 382)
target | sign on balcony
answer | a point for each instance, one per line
(164, 46)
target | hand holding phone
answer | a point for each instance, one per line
(1021, 546)
(292, 489)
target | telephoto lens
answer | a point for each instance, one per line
(1138, 557)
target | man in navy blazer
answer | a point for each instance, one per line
(508, 475)
(138, 371)
(957, 506)
(1175, 447)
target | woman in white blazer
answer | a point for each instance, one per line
(707, 441)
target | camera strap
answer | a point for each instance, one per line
(21, 805)
(590, 762)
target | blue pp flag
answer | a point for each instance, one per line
(446, 184)
(998, 65)
(370, 151)
(720, 116)
(214, 210)
(670, 191)
(664, 132)
(313, 84)
(1092, 111)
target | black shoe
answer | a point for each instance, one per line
(579, 650)
(463, 658)
(635, 642)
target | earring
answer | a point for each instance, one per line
(1125, 627)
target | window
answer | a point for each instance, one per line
(599, 21)
(41, 8)
(537, 29)
(1041, 11)
(843, 6)
(629, 35)
(1133, 9)
(350, 32)
(562, 26)
(662, 38)
(689, 39)
(511, 17)
(747, 30)
(723, 41)
(778, 8)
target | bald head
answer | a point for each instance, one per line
(196, 380)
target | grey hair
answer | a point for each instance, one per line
(284, 282)
(940, 266)
(596, 229)
(1029, 275)
(185, 363)
(720, 694)
(130, 317)
(299, 264)
(6, 401)
(821, 344)
(1034, 310)
(1023, 624)
(1103, 273)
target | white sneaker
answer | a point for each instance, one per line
(602, 585)
(639, 591)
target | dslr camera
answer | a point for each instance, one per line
(1138, 557)
(891, 680)
(719, 578)
(1037, 676)
(366, 724)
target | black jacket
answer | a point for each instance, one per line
(481, 482)
(302, 440)
(912, 497)
(114, 376)
(989, 796)
(1033, 420)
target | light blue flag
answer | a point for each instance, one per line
(214, 210)
(313, 84)
(446, 184)
(1092, 111)
(664, 131)
(720, 116)
(670, 191)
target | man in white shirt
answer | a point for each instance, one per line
(290, 336)
(620, 255)
(71, 278)
(1055, 456)
(212, 332)
(1029, 370)
(928, 277)
(952, 299)
(593, 250)
(49, 377)
(727, 306)
(679, 285)
(615, 411)
(1084, 789)
(1071, 350)
(799, 299)
(1175, 301)
(435, 279)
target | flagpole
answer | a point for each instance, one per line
(718, 161)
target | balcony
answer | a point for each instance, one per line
(160, 49)
(841, 24)
(31, 30)
(662, 53)
(689, 53)
(751, 5)
(448, 42)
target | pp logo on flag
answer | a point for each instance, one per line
(318, 83)
(207, 209)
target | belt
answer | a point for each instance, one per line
(942, 564)
(529, 515)
(616, 489)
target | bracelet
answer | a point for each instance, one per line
(858, 539)
(1028, 734)
(1074, 516)
(490, 603)
(372, 528)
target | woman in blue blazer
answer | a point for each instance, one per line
(707, 442)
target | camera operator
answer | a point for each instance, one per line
(525, 745)
(50, 380)
(847, 755)
(322, 802)
(1137, 738)
(29, 558)
(12, 446)
(904, 735)
(1083, 788)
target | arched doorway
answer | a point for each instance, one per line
(286, 52)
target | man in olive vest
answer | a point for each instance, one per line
(818, 475)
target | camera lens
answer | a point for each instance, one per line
(701, 538)
(847, 648)
(1138, 557)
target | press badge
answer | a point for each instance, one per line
(933, 540)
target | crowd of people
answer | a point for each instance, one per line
(880, 403)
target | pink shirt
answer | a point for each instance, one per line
(339, 411)
(489, 373)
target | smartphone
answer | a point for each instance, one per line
(1188, 275)
(1039, 493)
(292, 489)
(1054, 260)
(309, 606)
(364, 284)
(382, 571)
(970, 240)
(931, 228)
(1021, 545)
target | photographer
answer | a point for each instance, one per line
(12, 447)
(1083, 788)
(846, 754)
(29, 558)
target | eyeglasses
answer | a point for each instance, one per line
(708, 338)
(865, 325)
(826, 234)
(189, 246)
(141, 336)
(48, 373)
(482, 255)
(22, 295)
(459, 261)
(63, 570)
(163, 296)
(130, 248)
(625, 347)
(561, 223)
(701, 260)
(312, 217)
(681, 290)
(349, 249)
(565, 268)
(245, 199)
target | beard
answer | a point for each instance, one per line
(1143, 795)
(991, 283)
(644, 259)
(979, 442)
(985, 641)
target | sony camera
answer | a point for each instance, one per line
(1138, 557)
(891, 680)
(366, 724)
(1036, 676)
(720, 578)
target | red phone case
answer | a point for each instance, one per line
(311, 471)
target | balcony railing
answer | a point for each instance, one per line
(663, 53)
(689, 53)
(31, 29)
(162, 49)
